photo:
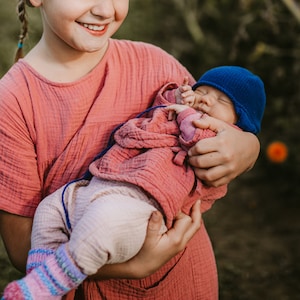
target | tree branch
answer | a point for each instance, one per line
(189, 15)
(293, 8)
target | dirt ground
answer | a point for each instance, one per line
(255, 234)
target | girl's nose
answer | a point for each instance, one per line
(103, 8)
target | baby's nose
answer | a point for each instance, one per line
(205, 99)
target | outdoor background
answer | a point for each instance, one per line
(255, 228)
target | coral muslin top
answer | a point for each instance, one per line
(50, 132)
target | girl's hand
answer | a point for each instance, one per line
(220, 159)
(158, 248)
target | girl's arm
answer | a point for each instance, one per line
(15, 232)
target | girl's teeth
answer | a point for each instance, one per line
(93, 27)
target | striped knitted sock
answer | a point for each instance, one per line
(51, 280)
(36, 257)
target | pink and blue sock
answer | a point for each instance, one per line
(36, 257)
(51, 279)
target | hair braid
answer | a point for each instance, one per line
(21, 11)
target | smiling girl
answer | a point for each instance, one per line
(59, 105)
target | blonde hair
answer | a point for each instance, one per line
(21, 11)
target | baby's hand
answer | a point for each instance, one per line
(184, 94)
(175, 109)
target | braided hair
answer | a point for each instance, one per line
(21, 11)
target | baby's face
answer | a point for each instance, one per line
(215, 103)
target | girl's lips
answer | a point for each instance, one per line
(94, 29)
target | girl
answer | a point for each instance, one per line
(58, 107)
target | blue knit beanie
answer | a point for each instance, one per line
(244, 89)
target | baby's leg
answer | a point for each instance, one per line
(51, 271)
(53, 278)
(48, 230)
(112, 230)
(49, 224)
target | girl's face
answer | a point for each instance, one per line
(80, 25)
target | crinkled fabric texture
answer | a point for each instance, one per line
(146, 154)
(50, 132)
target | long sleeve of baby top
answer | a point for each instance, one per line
(149, 153)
